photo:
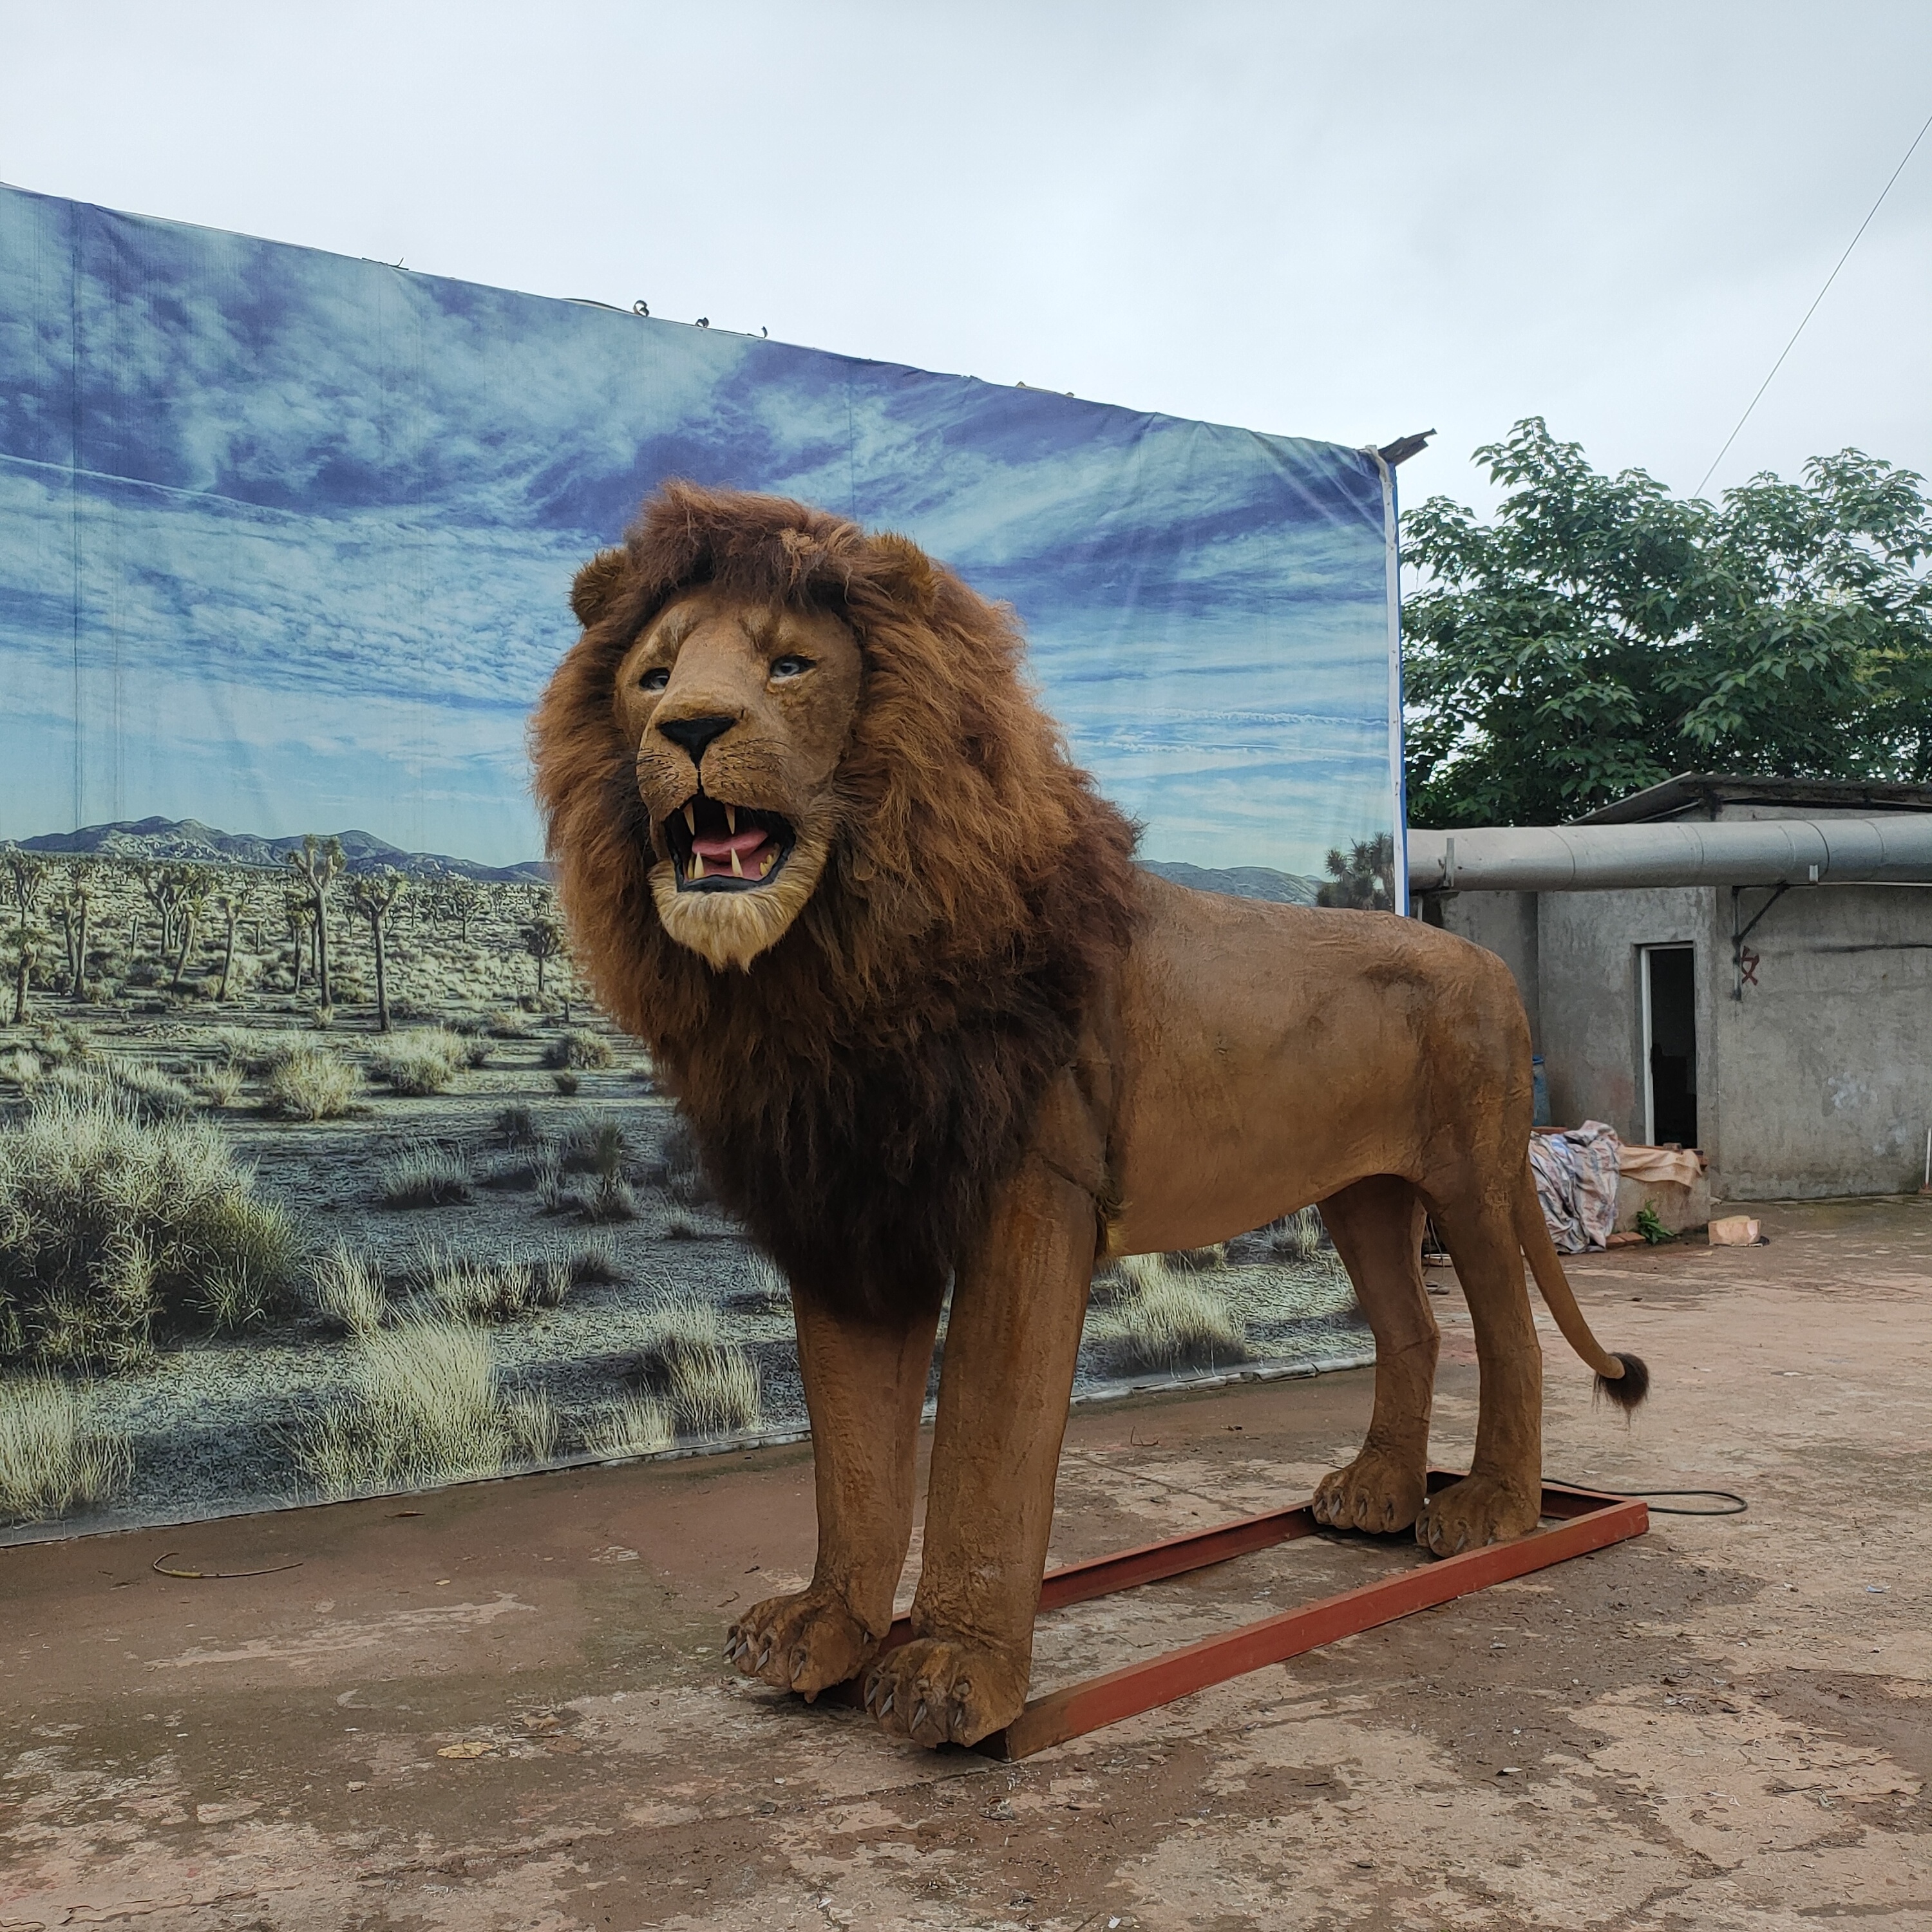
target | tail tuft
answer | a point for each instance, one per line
(1628, 1389)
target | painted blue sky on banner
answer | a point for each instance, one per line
(285, 541)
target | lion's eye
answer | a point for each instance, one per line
(790, 666)
(654, 680)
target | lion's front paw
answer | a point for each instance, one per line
(1477, 1510)
(1377, 1491)
(936, 1692)
(802, 1643)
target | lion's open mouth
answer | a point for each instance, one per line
(726, 848)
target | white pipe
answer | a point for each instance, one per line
(1733, 852)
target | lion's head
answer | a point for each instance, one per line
(823, 850)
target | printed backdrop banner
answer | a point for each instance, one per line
(285, 540)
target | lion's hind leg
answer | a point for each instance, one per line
(1502, 1494)
(1376, 1226)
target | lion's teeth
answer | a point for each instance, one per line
(696, 866)
(767, 861)
(737, 864)
(731, 820)
(690, 821)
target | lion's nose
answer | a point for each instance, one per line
(695, 734)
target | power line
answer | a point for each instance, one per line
(1813, 309)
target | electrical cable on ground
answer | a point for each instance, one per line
(1737, 1504)
(1810, 312)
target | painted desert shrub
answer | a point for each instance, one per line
(113, 1228)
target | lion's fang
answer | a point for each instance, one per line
(737, 864)
(696, 866)
(691, 821)
(731, 819)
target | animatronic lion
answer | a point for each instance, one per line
(823, 853)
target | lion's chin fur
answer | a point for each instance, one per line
(727, 929)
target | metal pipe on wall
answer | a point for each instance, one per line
(1609, 858)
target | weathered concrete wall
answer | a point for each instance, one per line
(1825, 1064)
(1818, 1081)
(1588, 946)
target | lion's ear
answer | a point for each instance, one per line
(593, 588)
(904, 571)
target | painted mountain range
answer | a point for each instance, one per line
(1244, 882)
(179, 841)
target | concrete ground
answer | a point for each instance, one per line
(502, 1706)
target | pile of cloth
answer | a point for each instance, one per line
(1575, 1173)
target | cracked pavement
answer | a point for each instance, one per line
(502, 1705)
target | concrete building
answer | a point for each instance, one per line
(1776, 1013)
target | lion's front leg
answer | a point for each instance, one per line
(865, 1385)
(1010, 1352)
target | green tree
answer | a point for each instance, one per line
(1601, 634)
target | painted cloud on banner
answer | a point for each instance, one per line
(285, 538)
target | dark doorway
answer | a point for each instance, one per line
(1670, 1016)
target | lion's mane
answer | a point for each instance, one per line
(858, 1094)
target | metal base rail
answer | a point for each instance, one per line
(1581, 1520)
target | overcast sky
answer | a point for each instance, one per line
(1340, 222)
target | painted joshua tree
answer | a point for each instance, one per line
(543, 940)
(192, 886)
(315, 867)
(75, 904)
(232, 903)
(374, 894)
(26, 874)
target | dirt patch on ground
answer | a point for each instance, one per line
(502, 1706)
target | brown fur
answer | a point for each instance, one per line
(859, 1097)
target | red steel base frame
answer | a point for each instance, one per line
(1585, 1520)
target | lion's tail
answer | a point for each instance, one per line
(1623, 1379)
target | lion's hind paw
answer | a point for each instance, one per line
(1375, 1492)
(936, 1692)
(803, 1642)
(1478, 1510)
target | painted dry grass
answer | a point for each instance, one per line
(427, 1408)
(51, 1460)
(473, 1287)
(112, 1227)
(427, 1061)
(427, 1176)
(136, 1086)
(346, 1289)
(1168, 1317)
(306, 1082)
(637, 1426)
(595, 1263)
(578, 1048)
(710, 1385)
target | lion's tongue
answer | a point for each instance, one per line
(743, 843)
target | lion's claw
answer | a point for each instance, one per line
(936, 1692)
(1478, 1510)
(804, 1643)
(1379, 1492)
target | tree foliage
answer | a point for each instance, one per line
(1601, 634)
